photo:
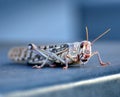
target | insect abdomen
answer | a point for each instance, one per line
(18, 54)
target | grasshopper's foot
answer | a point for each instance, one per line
(65, 67)
(37, 67)
(105, 64)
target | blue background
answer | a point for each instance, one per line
(53, 21)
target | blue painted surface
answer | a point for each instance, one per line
(15, 76)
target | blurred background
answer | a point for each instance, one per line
(56, 21)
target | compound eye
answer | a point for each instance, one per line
(81, 45)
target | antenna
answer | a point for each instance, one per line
(101, 35)
(86, 33)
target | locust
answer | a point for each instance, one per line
(64, 54)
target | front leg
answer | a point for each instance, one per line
(99, 58)
(66, 63)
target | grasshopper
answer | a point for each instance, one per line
(64, 54)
